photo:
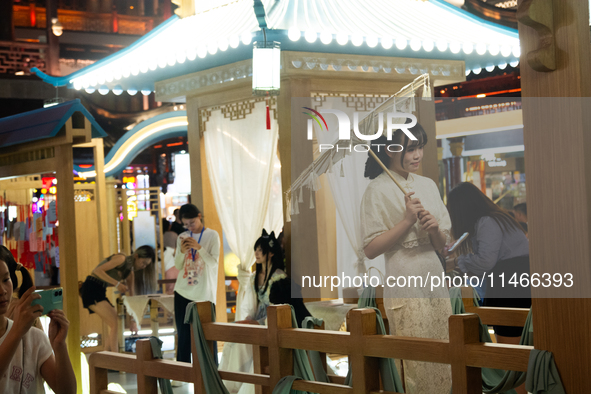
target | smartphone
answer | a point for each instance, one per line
(458, 242)
(50, 299)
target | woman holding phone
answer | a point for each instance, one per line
(196, 258)
(27, 355)
(497, 244)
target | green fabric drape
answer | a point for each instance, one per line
(495, 380)
(165, 386)
(284, 385)
(388, 371)
(301, 364)
(542, 375)
(209, 371)
(314, 355)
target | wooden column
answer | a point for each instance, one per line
(303, 227)
(426, 117)
(557, 141)
(100, 196)
(68, 252)
(194, 145)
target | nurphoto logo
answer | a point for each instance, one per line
(394, 121)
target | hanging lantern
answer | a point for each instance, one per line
(266, 64)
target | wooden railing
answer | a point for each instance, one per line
(273, 347)
(491, 316)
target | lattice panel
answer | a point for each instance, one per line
(23, 157)
(15, 57)
(236, 111)
(360, 102)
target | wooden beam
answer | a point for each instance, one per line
(101, 198)
(556, 120)
(29, 167)
(68, 252)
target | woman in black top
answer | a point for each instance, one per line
(113, 271)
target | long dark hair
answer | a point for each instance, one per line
(466, 205)
(268, 243)
(145, 280)
(373, 169)
(27, 282)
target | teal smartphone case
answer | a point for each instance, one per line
(50, 299)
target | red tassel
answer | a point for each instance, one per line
(268, 118)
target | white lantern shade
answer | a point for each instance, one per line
(266, 68)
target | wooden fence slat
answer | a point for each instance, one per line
(250, 334)
(319, 387)
(324, 341)
(280, 359)
(365, 369)
(431, 350)
(246, 377)
(500, 316)
(493, 355)
(145, 383)
(463, 329)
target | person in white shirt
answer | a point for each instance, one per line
(196, 258)
(27, 355)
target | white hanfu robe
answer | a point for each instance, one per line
(414, 310)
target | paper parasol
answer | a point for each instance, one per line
(403, 101)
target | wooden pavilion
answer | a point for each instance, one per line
(555, 55)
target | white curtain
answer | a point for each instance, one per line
(240, 157)
(347, 185)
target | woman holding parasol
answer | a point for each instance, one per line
(403, 217)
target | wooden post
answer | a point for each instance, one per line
(68, 253)
(463, 329)
(121, 325)
(112, 215)
(302, 228)
(125, 225)
(101, 197)
(365, 370)
(322, 354)
(556, 121)
(426, 117)
(99, 379)
(145, 384)
(280, 359)
(154, 317)
(260, 361)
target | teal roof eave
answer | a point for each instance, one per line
(466, 15)
(65, 80)
(167, 133)
(96, 130)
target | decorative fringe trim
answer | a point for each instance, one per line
(311, 199)
(301, 198)
(288, 208)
